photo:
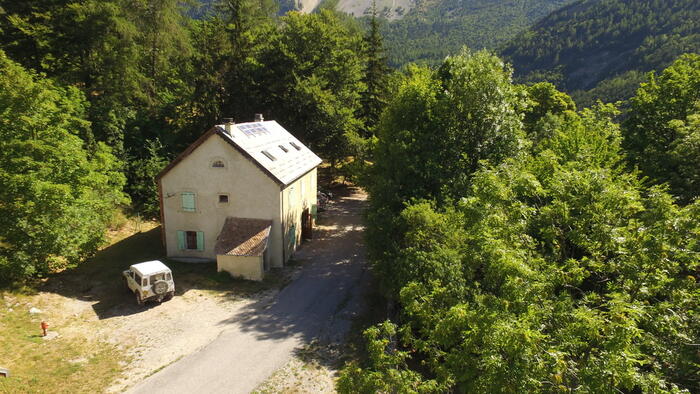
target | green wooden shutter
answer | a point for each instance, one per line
(188, 202)
(181, 241)
(200, 240)
(293, 236)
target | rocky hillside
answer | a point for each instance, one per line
(388, 9)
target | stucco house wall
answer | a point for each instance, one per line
(295, 198)
(246, 267)
(251, 194)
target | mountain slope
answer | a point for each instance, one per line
(433, 29)
(389, 9)
(601, 48)
(425, 31)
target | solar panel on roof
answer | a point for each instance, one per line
(254, 129)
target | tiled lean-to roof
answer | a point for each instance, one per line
(243, 237)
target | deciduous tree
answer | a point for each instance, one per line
(55, 197)
(656, 126)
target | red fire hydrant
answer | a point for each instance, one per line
(44, 326)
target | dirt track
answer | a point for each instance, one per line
(258, 337)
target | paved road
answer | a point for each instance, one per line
(319, 304)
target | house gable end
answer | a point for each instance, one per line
(204, 137)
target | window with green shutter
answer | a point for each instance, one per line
(181, 240)
(292, 237)
(190, 240)
(200, 240)
(188, 202)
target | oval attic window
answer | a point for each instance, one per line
(218, 164)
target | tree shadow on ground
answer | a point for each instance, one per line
(319, 307)
(99, 280)
(334, 354)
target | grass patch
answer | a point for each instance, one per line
(60, 365)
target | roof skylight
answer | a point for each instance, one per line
(268, 155)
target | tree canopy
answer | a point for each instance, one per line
(56, 197)
(312, 74)
(550, 268)
(662, 132)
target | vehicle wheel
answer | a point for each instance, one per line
(160, 287)
(126, 284)
(139, 300)
(169, 296)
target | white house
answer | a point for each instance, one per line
(243, 194)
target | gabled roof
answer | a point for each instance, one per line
(274, 148)
(243, 237)
(267, 144)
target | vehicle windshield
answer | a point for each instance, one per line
(157, 277)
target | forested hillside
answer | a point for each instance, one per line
(603, 48)
(433, 29)
(425, 31)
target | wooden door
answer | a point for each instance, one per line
(307, 224)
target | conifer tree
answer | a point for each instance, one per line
(373, 99)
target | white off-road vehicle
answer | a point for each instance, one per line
(151, 280)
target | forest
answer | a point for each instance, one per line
(434, 29)
(529, 246)
(602, 49)
(524, 243)
(99, 95)
(592, 49)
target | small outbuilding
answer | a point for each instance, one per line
(242, 247)
(243, 195)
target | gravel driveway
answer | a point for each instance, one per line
(260, 338)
